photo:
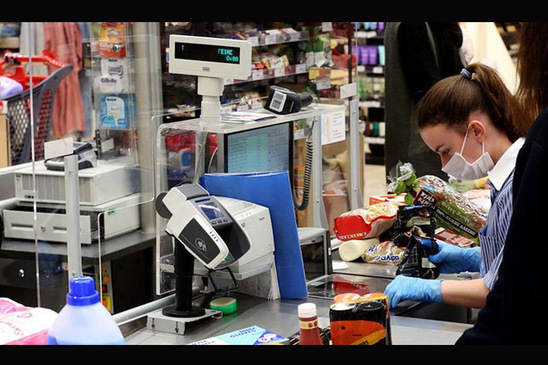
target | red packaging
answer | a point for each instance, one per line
(365, 223)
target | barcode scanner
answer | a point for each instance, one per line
(285, 101)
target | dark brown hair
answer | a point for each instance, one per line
(452, 99)
(533, 68)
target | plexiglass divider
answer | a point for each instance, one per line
(121, 189)
(116, 192)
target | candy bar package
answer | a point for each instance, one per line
(363, 223)
(451, 209)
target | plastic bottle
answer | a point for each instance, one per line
(84, 320)
(308, 323)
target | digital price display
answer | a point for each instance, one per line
(207, 52)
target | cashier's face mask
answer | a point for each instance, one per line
(459, 168)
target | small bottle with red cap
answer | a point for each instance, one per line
(308, 324)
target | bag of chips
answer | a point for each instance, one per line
(385, 253)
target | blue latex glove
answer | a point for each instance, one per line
(408, 288)
(452, 259)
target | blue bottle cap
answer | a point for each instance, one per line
(82, 291)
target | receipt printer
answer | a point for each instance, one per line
(201, 223)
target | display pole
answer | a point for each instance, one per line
(320, 218)
(356, 197)
(211, 89)
(72, 198)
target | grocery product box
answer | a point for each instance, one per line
(254, 335)
(396, 198)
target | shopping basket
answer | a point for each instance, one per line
(19, 106)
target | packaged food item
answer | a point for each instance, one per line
(386, 253)
(354, 249)
(414, 261)
(363, 223)
(452, 210)
(318, 48)
(448, 236)
(398, 199)
(419, 216)
(362, 320)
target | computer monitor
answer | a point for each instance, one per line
(267, 148)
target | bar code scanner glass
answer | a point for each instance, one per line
(206, 232)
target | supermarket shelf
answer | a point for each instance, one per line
(374, 140)
(257, 75)
(371, 69)
(281, 38)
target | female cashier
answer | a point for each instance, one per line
(474, 124)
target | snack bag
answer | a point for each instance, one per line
(385, 253)
(363, 223)
(414, 261)
(451, 209)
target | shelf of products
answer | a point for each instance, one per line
(310, 57)
(509, 34)
(277, 58)
(371, 68)
(112, 65)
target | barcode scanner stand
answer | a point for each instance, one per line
(203, 230)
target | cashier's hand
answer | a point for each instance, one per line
(452, 259)
(408, 288)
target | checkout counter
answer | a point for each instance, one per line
(280, 317)
(412, 323)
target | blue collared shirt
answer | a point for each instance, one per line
(493, 235)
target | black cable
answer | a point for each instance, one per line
(306, 179)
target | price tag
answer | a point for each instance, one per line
(254, 41)
(349, 90)
(300, 68)
(279, 72)
(327, 26)
(257, 75)
(107, 145)
(323, 83)
(270, 39)
(378, 70)
(299, 134)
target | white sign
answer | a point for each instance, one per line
(348, 91)
(59, 147)
(333, 127)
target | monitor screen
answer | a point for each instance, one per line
(262, 149)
